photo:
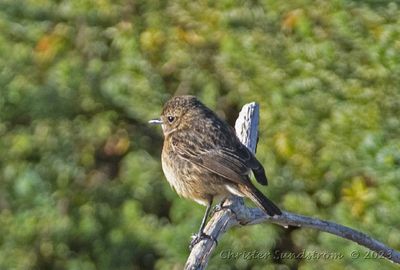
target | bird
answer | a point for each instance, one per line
(203, 159)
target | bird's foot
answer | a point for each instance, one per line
(196, 238)
(217, 208)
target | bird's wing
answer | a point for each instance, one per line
(251, 162)
(232, 164)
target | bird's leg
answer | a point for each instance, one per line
(201, 235)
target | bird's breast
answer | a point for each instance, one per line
(169, 171)
(175, 170)
(186, 178)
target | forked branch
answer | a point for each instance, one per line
(235, 213)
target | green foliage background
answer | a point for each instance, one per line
(81, 185)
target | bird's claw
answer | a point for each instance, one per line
(217, 208)
(196, 238)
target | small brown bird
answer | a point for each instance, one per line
(203, 159)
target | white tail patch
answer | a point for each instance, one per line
(234, 191)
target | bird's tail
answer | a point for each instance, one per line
(260, 200)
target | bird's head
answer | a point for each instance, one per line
(178, 113)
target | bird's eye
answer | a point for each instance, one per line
(171, 119)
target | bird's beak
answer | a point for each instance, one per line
(155, 121)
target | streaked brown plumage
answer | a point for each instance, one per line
(203, 159)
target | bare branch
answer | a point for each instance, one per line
(236, 213)
(246, 125)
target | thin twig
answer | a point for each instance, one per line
(236, 213)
